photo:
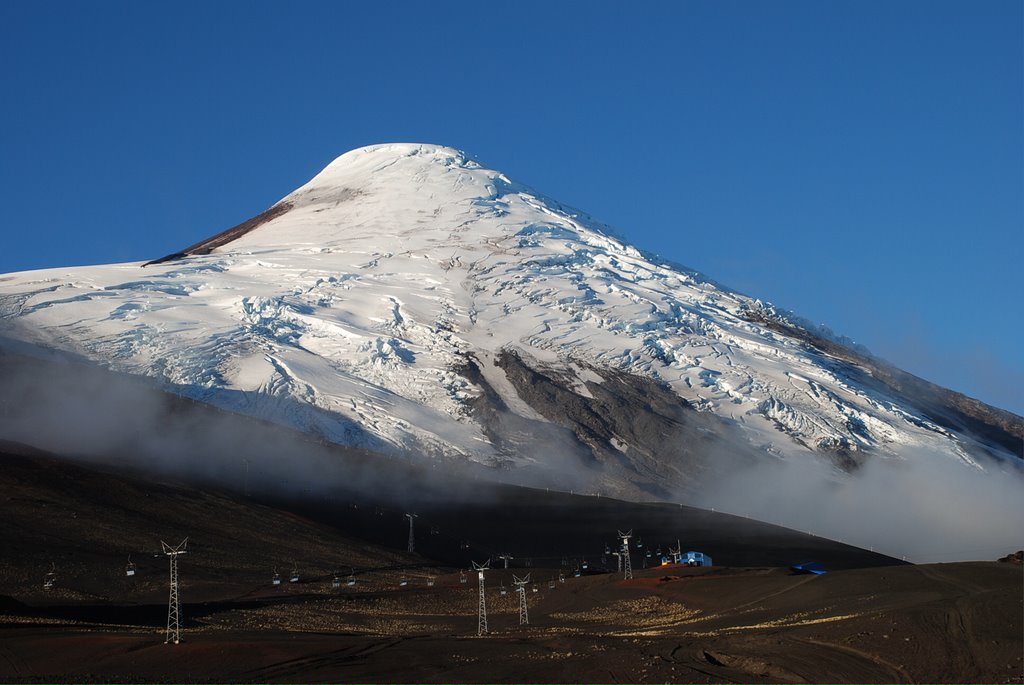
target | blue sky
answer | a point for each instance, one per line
(860, 162)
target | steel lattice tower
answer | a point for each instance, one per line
(677, 553)
(626, 565)
(411, 539)
(520, 583)
(173, 607)
(481, 623)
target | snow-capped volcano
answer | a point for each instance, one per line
(409, 299)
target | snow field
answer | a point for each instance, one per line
(350, 314)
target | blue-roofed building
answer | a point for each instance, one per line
(696, 559)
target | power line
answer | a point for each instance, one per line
(481, 623)
(173, 608)
(520, 583)
(627, 566)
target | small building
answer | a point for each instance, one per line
(695, 559)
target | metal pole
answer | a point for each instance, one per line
(524, 616)
(411, 538)
(627, 565)
(481, 623)
(173, 604)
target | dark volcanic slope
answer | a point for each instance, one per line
(87, 521)
(224, 237)
(872, 623)
(958, 623)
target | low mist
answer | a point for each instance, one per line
(76, 410)
(925, 507)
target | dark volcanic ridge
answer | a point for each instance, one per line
(208, 245)
(408, 617)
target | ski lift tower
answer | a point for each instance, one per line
(481, 623)
(627, 567)
(520, 583)
(173, 608)
(411, 539)
(505, 557)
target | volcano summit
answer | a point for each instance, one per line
(409, 300)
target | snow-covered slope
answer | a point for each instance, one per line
(409, 299)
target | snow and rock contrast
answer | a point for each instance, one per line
(409, 299)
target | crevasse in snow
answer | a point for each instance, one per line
(362, 301)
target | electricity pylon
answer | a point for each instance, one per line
(173, 609)
(677, 553)
(627, 566)
(520, 583)
(505, 557)
(481, 622)
(410, 517)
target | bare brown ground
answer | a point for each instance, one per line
(899, 623)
